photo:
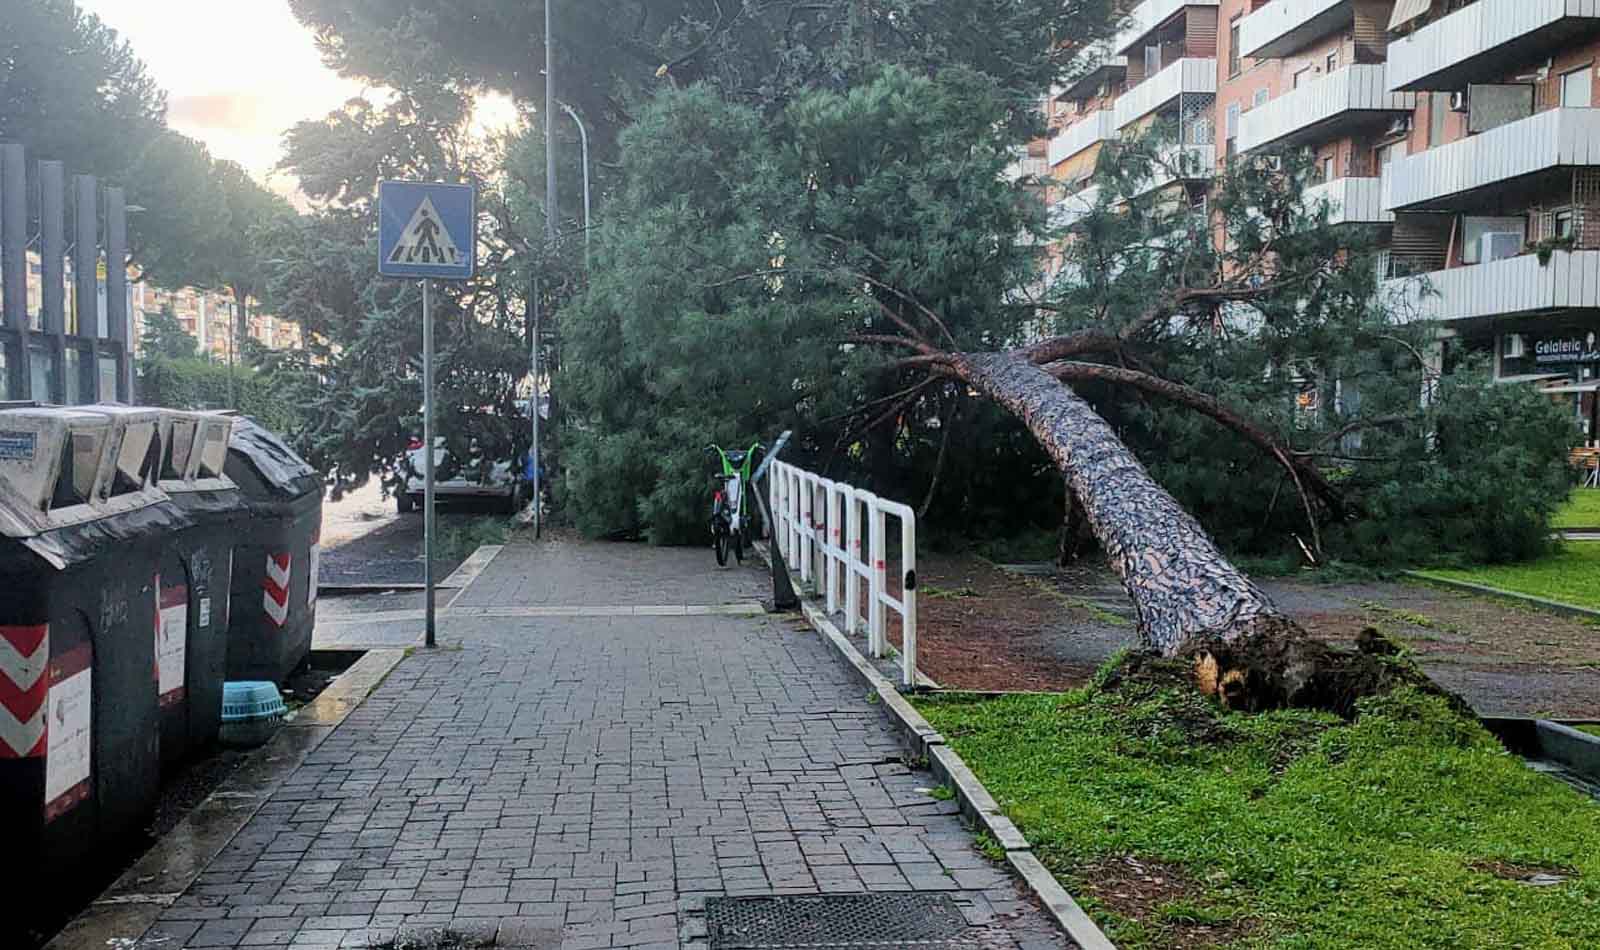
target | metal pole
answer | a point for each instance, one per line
(549, 129)
(588, 222)
(533, 410)
(427, 459)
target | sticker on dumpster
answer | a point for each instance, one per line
(275, 588)
(172, 635)
(205, 613)
(24, 688)
(18, 446)
(66, 767)
(316, 569)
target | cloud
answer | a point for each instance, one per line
(231, 111)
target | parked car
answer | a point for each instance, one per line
(479, 477)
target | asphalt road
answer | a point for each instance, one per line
(365, 541)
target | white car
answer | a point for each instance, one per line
(479, 478)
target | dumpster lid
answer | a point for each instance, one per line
(195, 451)
(283, 471)
(50, 462)
(131, 462)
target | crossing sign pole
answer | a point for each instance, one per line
(427, 231)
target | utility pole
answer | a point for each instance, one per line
(549, 129)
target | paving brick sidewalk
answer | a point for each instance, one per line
(589, 781)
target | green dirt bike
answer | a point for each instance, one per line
(730, 525)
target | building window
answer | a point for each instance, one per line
(1261, 98)
(1577, 88)
(1565, 223)
(1327, 168)
(1235, 63)
(1233, 127)
(1302, 76)
(1152, 61)
(1438, 108)
(1333, 61)
(1491, 239)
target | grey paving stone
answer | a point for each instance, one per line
(590, 781)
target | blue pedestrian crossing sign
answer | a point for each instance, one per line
(427, 230)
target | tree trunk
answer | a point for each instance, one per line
(1189, 601)
(1181, 585)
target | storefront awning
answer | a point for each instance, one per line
(1585, 387)
(1530, 378)
(1407, 10)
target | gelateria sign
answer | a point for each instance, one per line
(1575, 349)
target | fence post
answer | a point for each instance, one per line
(836, 542)
(805, 527)
(878, 636)
(908, 597)
(852, 575)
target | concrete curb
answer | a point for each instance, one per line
(120, 916)
(974, 798)
(1540, 603)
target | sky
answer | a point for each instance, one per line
(238, 73)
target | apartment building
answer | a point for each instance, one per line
(1466, 132)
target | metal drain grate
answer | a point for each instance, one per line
(856, 921)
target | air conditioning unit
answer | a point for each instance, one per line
(1458, 101)
(1516, 347)
(1499, 245)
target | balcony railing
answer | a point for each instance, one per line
(1074, 207)
(1479, 42)
(1515, 285)
(1284, 26)
(1351, 201)
(1545, 140)
(1146, 17)
(1321, 107)
(1179, 163)
(1192, 76)
(1091, 130)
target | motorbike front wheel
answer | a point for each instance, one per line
(720, 544)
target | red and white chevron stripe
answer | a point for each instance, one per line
(24, 688)
(275, 588)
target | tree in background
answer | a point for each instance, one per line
(165, 338)
(358, 382)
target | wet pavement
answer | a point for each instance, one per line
(599, 748)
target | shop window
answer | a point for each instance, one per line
(1577, 88)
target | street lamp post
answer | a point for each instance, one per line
(588, 222)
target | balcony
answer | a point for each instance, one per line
(1183, 163)
(1092, 129)
(1479, 43)
(1284, 26)
(1146, 17)
(1543, 142)
(1503, 288)
(1074, 207)
(1323, 109)
(1351, 201)
(1183, 77)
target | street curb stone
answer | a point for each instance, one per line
(974, 798)
(1541, 603)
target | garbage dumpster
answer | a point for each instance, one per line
(276, 554)
(81, 523)
(195, 575)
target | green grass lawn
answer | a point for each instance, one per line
(1591, 730)
(1582, 510)
(1408, 828)
(1571, 575)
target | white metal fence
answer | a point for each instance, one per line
(822, 527)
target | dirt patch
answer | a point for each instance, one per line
(1163, 898)
(980, 627)
(1526, 873)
